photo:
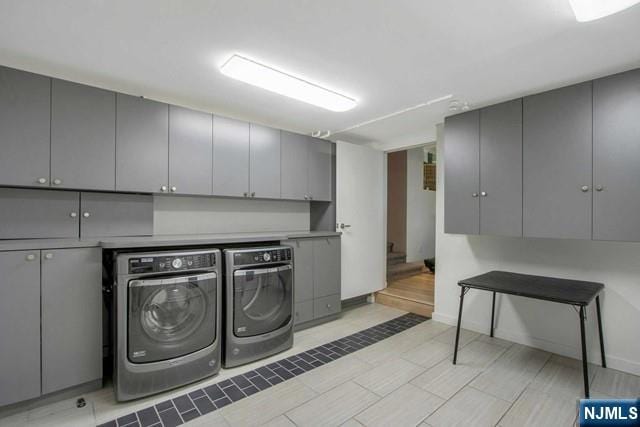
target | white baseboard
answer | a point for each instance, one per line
(613, 362)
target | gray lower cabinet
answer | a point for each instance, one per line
(461, 169)
(294, 161)
(25, 118)
(83, 137)
(616, 157)
(317, 277)
(142, 145)
(112, 214)
(320, 169)
(190, 151)
(71, 317)
(264, 161)
(19, 326)
(230, 157)
(557, 166)
(38, 214)
(501, 169)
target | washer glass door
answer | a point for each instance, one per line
(170, 317)
(262, 300)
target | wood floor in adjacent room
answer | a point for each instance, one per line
(413, 293)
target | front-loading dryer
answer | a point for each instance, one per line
(258, 303)
(168, 320)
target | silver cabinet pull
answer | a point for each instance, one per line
(483, 194)
(310, 197)
(163, 188)
(253, 194)
(599, 188)
(48, 256)
(474, 194)
(73, 214)
(174, 189)
(245, 194)
(57, 181)
(584, 188)
(42, 180)
(31, 257)
(86, 214)
(328, 305)
(343, 226)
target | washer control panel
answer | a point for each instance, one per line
(166, 263)
(263, 256)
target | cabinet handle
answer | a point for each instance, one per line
(253, 194)
(31, 257)
(86, 214)
(328, 305)
(48, 256)
(174, 189)
(599, 188)
(57, 181)
(306, 197)
(163, 188)
(483, 194)
(310, 197)
(297, 314)
(73, 214)
(42, 180)
(474, 194)
(584, 188)
(245, 194)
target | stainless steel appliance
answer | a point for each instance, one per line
(167, 315)
(259, 303)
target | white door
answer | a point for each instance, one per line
(360, 205)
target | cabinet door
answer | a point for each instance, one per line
(461, 170)
(19, 326)
(303, 274)
(616, 157)
(112, 214)
(265, 162)
(230, 157)
(190, 151)
(326, 267)
(142, 145)
(326, 306)
(38, 214)
(294, 166)
(303, 312)
(71, 317)
(501, 169)
(24, 128)
(557, 165)
(83, 137)
(320, 169)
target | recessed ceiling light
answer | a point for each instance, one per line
(269, 78)
(589, 10)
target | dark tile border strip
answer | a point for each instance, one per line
(199, 402)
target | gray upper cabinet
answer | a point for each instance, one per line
(19, 326)
(326, 267)
(25, 118)
(71, 317)
(461, 182)
(142, 145)
(264, 162)
(110, 214)
(83, 137)
(294, 166)
(38, 214)
(190, 151)
(616, 157)
(557, 163)
(230, 157)
(501, 169)
(320, 169)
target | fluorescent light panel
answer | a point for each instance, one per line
(589, 10)
(271, 79)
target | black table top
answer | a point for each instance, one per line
(575, 292)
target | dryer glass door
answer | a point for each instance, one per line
(262, 300)
(171, 316)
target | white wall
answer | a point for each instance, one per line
(204, 215)
(421, 210)
(553, 327)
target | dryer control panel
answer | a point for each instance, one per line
(262, 256)
(172, 262)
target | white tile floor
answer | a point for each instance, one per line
(404, 380)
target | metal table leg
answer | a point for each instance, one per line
(604, 361)
(493, 311)
(585, 367)
(455, 349)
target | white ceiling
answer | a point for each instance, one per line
(388, 54)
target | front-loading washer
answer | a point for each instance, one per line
(167, 320)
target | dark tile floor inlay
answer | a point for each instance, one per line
(185, 408)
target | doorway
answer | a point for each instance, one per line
(410, 246)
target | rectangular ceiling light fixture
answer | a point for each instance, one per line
(257, 74)
(590, 10)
